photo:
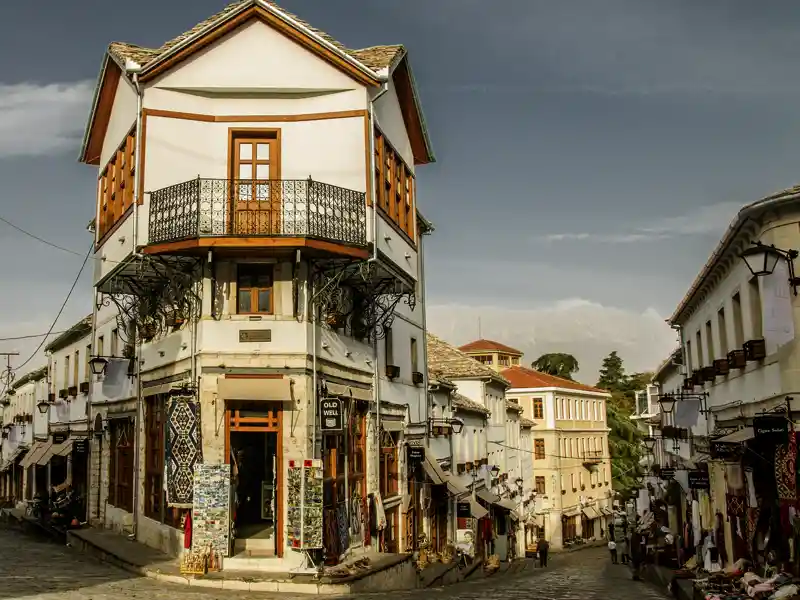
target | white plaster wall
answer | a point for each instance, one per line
(115, 248)
(73, 409)
(389, 119)
(257, 57)
(123, 117)
(396, 247)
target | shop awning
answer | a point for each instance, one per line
(259, 390)
(590, 513)
(433, 470)
(15, 454)
(573, 512)
(514, 515)
(453, 486)
(487, 496)
(35, 451)
(740, 436)
(64, 448)
(606, 511)
(337, 389)
(506, 503)
(476, 509)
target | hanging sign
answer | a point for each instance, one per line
(80, 445)
(667, 474)
(416, 454)
(331, 413)
(463, 510)
(59, 438)
(773, 428)
(724, 450)
(698, 480)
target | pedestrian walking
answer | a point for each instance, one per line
(638, 550)
(612, 548)
(622, 550)
(544, 546)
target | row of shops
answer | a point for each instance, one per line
(727, 524)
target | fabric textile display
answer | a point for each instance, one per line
(182, 451)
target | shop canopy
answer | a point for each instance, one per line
(476, 509)
(36, 451)
(738, 437)
(62, 449)
(487, 496)
(15, 454)
(590, 513)
(439, 476)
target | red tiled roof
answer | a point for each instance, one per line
(522, 377)
(489, 346)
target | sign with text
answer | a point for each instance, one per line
(331, 411)
(773, 428)
(416, 454)
(81, 445)
(463, 510)
(698, 480)
(725, 450)
(667, 474)
(60, 438)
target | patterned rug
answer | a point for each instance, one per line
(183, 450)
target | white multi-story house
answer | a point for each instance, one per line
(258, 244)
(738, 324)
(22, 428)
(492, 469)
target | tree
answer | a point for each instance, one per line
(612, 374)
(624, 439)
(557, 363)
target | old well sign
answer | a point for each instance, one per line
(331, 413)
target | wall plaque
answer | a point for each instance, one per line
(255, 335)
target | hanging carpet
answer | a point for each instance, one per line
(183, 451)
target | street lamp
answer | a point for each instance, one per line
(667, 402)
(761, 260)
(456, 425)
(43, 407)
(495, 470)
(649, 443)
(98, 365)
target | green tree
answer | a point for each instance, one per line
(624, 439)
(557, 363)
(612, 374)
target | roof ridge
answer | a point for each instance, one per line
(567, 383)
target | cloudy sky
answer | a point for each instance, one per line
(590, 153)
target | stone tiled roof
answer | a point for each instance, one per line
(489, 346)
(465, 404)
(375, 57)
(523, 377)
(76, 332)
(523, 422)
(448, 361)
(514, 406)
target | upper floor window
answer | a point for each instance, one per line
(66, 371)
(115, 187)
(414, 356)
(538, 449)
(254, 289)
(538, 408)
(394, 185)
(504, 361)
(540, 485)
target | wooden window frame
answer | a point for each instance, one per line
(395, 187)
(538, 408)
(254, 296)
(121, 465)
(539, 449)
(389, 466)
(540, 484)
(115, 186)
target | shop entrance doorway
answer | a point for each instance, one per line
(254, 449)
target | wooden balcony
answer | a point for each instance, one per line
(592, 458)
(196, 215)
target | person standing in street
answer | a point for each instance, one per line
(612, 549)
(544, 546)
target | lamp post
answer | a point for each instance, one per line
(649, 443)
(43, 407)
(667, 402)
(98, 365)
(761, 260)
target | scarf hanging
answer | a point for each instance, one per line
(735, 506)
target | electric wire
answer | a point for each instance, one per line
(61, 310)
(31, 337)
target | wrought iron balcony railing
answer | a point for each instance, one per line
(255, 208)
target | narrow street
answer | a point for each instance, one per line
(34, 569)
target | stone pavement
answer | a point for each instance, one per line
(34, 569)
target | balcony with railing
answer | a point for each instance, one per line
(224, 212)
(592, 458)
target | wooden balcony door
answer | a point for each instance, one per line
(255, 166)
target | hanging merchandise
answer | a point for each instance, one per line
(182, 450)
(752, 501)
(304, 518)
(211, 512)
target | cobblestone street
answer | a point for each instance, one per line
(35, 569)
